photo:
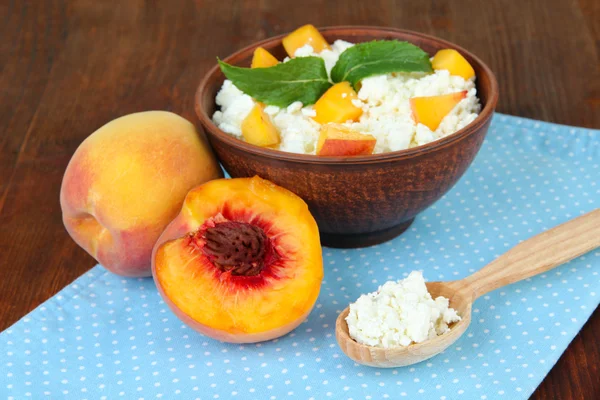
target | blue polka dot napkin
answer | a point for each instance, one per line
(106, 337)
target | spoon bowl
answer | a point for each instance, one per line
(531, 257)
(401, 356)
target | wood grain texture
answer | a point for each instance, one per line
(68, 67)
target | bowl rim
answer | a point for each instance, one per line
(482, 118)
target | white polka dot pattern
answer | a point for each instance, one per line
(105, 337)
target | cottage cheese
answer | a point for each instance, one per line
(384, 100)
(399, 313)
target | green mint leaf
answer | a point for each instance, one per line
(378, 58)
(300, 79)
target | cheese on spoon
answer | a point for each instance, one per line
(399, 314)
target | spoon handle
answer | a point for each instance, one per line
(538, 254)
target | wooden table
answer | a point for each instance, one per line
(68, 67)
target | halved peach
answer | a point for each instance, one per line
(335, 105)
(431, 110)
(302, 36)
(242, 261)
(263, 59)
(339, 140)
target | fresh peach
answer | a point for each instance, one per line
(431, 110)
(258, 129)
(127, 181)
(263, 59)
(241, 262)
(335, 105)
(302, 36)
(454, 62)
(339, 140)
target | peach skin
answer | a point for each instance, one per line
(339, 140)
(242, 261)
(127, 181)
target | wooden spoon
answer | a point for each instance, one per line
(531, 257)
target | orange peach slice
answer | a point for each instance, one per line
(454, 62)
(339, 140)
(302, 36)
(242, 261)
(127, 181)
(257, 128)
(431, 110)
(335, 105)
(263, 59)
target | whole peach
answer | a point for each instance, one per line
(127, 181)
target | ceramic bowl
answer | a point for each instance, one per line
(362, 200)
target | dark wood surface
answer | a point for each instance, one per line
(68, 67)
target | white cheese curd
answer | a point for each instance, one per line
(235, 106)
(399, 313)
(384, 100)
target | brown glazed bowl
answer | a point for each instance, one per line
(363, 200)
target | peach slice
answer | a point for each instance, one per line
(335, 105)
(242, 261)
(431, 110)
(454, 62)
(257, 128)
(263, 59)
(302, 36)
(339, 140)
